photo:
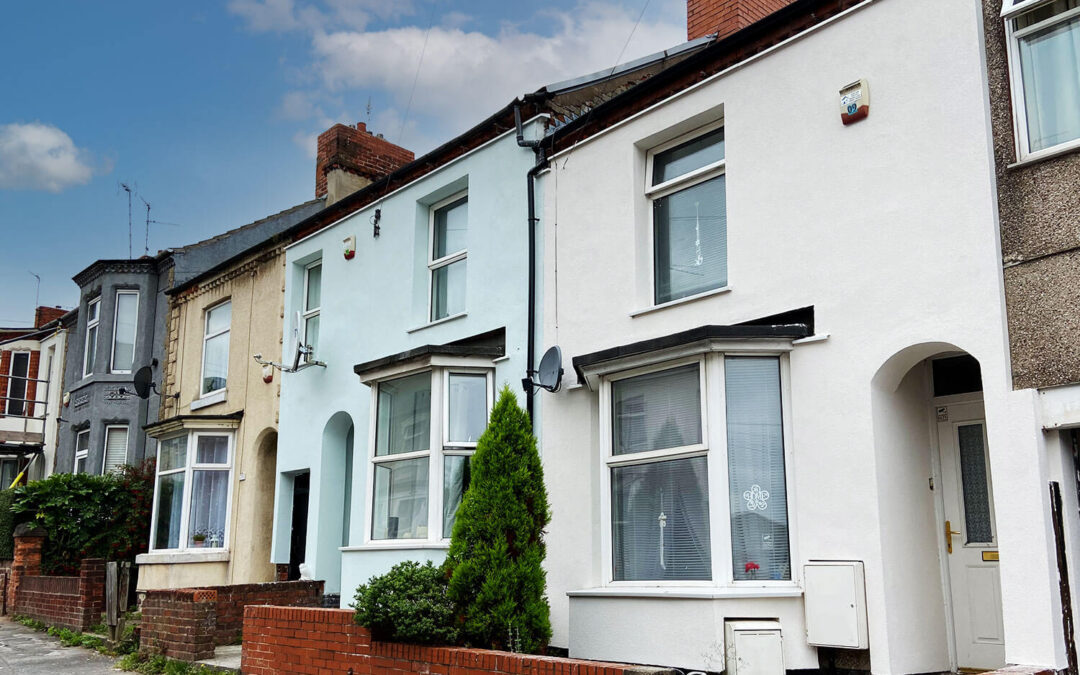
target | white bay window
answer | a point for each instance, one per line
(420, 469)
(191, 500)
(695, 479)
(125, 325)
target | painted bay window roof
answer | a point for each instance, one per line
(485, 346)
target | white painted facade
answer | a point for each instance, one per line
(376, 305)
(888, 229)
(41, 418)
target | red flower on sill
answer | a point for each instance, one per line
(751, 566)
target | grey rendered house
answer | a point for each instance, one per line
(121, 327)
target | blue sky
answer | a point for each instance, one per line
(211, 109)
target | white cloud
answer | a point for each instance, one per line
(38, 156)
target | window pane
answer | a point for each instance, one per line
(757, 488)
(92, 311)
(451, 225)
(455, 483)
(1050, 63)
(209, 502)
(170, 500)
(314, 288)
(215, 363)
(467, 407)
(80, 464)
(311, 334)
(91, 350)
(127, 305)
(448, 290)
(401, 500)
(20, 369)
(976, 484)
(660, 521)
(9, 469)
(403, 421)
(212, 450)
(116, 442)
(219, 318)
(701, 151)
(690, 229)
(173, 454)
(656, 411)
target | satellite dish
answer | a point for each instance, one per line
(549, 375)
(144, 381)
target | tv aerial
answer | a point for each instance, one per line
(549, 375)
(302, 354)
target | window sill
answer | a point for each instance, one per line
(1043, 155)
(689, 592)
(681, 301)
(179, 557)
(459, 315)
(398, 546)
(208, 400)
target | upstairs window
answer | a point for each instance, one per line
(93, 316)
(312, 307)
(1044, 59)
(18, 373)
(125, 322)
(215, 365)
(689, 215)
(446, 263)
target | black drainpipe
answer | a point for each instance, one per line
(530, 338)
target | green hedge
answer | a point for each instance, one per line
(88, 516)
(7, 525)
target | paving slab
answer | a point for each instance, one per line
(30, 652)
(226, 659)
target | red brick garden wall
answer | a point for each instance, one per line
(188, 623)
(68, 602)
(285, 640)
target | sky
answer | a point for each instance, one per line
(209, 111)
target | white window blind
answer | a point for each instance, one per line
(657, 410)
(124, 328)
(757, 488)
(116, 442)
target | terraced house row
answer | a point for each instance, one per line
(812, 277)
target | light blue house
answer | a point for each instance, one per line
(417, 306)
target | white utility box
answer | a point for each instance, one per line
(754, 648)
(835, 603)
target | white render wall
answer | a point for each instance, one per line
(888, 228)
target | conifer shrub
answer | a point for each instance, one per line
(495, 563)
(407, 604)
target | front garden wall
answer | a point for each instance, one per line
(287, 641)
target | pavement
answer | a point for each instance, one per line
(226, 659)
(30, 652)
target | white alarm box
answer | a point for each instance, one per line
(754, 648)
(835, 604)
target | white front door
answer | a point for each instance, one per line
(970, 536)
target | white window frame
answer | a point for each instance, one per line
(310, 312)
(93, 320)
(208, 336)
(671, 186)
(434, 263)
(81, 454)
(105, 445)
(134, 336)
(1022, 143)
(714, 448)
(189, 468)
(25, 400)
(439, 447)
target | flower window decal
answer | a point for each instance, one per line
(756, 498)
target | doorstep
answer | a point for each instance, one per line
(226, 659)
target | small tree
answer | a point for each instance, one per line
(497, 549)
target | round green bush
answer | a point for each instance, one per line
(407, 604)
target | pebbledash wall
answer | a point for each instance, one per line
(323, 410)
(282, 640)
(887, 228)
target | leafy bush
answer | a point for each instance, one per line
(407, 604)
(88, 516)
(7, 525)
(497, 550)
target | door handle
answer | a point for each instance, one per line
(949, 535)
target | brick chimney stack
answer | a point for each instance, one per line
(724, 17)
(349, 158)
(43, 315)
